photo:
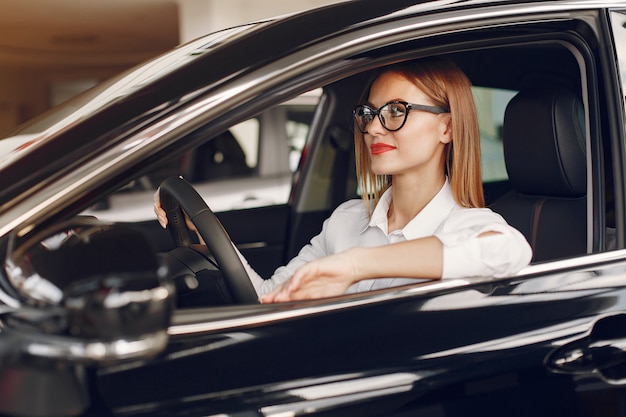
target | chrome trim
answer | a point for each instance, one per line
(577, 262)
(257, 315)
(65, 348)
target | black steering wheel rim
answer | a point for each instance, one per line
(176, 194)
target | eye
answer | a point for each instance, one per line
(396, 109)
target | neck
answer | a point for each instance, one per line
(409, 197)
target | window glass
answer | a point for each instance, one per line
(490, 104)
(249, 165)
(247, 135)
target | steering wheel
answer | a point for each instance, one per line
(177, 195)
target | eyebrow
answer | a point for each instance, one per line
(372, 105)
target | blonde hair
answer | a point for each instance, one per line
(447, 86)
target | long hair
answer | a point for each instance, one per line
(447, 86)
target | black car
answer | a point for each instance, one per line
(104, 318)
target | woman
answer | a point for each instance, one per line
(422, 214)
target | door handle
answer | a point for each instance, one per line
(601, 353)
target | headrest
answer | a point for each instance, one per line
(544, 142)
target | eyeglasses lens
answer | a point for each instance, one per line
(363, 116)
(391, 116)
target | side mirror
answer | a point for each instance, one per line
(86, 293)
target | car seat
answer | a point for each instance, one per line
(222, 157)
(544, 152)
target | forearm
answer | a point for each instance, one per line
(332, 275)
(419, 258)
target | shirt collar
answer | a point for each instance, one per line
(426, 222)
(379, 215)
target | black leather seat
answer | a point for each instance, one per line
(220, 158)
(544, 151)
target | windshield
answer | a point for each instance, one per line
(107, 92)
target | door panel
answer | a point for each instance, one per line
(478, 350)
(260, 235)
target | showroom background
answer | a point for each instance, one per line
(53, 49)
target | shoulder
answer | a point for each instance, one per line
(351, 206)
(473, 216)
(350, 213)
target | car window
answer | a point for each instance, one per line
(249, 165)
(490, 104)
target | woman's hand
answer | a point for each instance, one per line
(325, 277)
(158, 210)
(162, 216)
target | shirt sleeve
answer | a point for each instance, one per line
(257, 281)
(467, 254)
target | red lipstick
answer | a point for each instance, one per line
(378, 148)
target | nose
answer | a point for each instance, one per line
(376, 127)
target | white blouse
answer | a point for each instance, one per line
(465, 254)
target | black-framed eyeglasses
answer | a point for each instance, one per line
(392, 115)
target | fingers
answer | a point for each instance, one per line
(160, 213)
(280, 294)
(161, 217)
(294, 289)
(268, 298)
(189, 223)
(324, 277)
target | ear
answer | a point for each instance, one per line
(445, 129)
